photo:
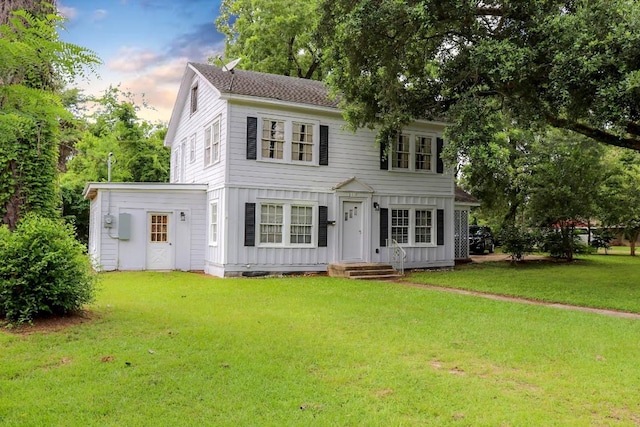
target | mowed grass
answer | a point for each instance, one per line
(180, 349)
(600, 281)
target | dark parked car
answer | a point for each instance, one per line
(480, 239)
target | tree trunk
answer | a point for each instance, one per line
(36, 6)
(633, 238)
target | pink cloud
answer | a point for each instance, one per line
(130, 60)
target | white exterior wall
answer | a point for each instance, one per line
(187, 237)
(210, 108)
(350, 154)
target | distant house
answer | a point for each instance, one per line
(265, 178)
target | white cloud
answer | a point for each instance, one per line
(70, 13)
(131, 59)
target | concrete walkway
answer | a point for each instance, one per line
(613, 313)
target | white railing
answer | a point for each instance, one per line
(396, 255)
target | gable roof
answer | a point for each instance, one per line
(268, 86)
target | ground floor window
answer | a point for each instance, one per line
(213, 223)
(286, 224)
(412, 226)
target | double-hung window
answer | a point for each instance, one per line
(413, 152)
(288, 141)
(302, 142)
(212, 143)
(423, 153)
(213, 223)
(272, 139)
(412, 226)
(286, 224)
(401, 152)
(194, 98)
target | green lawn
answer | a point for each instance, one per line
(601, 281)
(179, 349)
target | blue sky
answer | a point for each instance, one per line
(144, 44)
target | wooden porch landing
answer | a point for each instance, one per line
(363, 271)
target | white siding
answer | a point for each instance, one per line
(210, 107)
(350, 154)
(188, 237)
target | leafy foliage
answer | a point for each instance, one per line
(517, 242)
(272, 36)
(44, 270)
(33, 61)
(568, 64)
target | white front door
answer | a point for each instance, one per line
(159, 245)
(352, 231)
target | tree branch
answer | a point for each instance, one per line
(597, 134)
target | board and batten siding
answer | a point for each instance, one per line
(245, 259)
(210, 108)
(188, 237)
(350, 154)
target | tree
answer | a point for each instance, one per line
(620, 195)
(31, 58)
(563, 184)
(571, 64)
(137, 153)
(272, 36)
(37, 7)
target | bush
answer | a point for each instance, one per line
(44, 270)
(517, 242)
(602, 239)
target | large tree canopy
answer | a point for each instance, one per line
(571, 64)
(272, 36)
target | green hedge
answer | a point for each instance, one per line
(44, 270)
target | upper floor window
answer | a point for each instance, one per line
(192, 148)
(194, 98)
(212, 143)
(401, 152)
(272, 139)
(291, 141)
(302, 142)
(423, 152)
(412, 152)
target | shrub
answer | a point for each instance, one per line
(516, 242)
(44, 270)
(602, 239)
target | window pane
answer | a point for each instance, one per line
(271, 223)
(301, 224)
(423, 226)
(302, 142)
(213, 223)
(400, 225)
(272, 139)
(400, 155)
(423, 153)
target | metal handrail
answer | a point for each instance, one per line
(396, 255)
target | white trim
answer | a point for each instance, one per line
(286, 222)
(213, 207)
(412, 225)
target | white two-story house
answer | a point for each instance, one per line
(265, 177)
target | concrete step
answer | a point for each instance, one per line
(370, 271)
(378, 277)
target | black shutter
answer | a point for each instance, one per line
(252, 135)
(440, 164)
(323, 213)
(384, 226)
(384, 159)
(324, 145)
(249, 224)
(440, 227)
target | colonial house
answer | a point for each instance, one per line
(265, 177)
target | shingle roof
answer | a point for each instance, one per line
(270, 86)
(462, 196)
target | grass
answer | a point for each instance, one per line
(599, 281)
(179, 349)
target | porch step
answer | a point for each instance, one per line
(364, 271)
